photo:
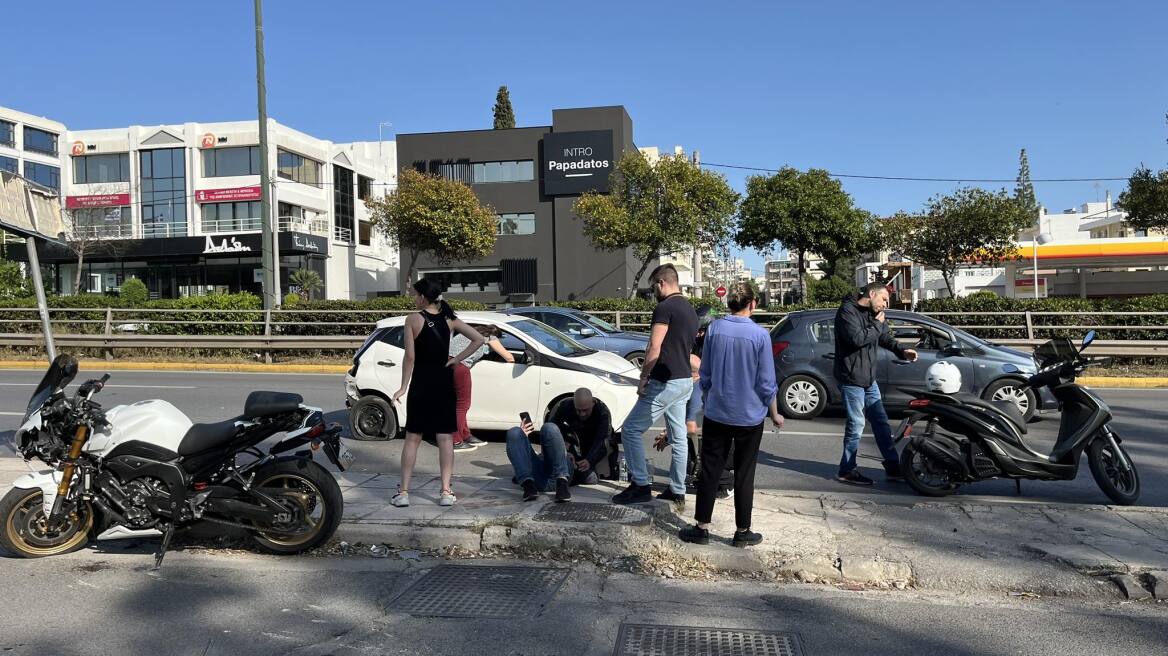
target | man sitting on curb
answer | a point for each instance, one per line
(587, 424)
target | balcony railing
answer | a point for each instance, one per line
(163, 230)
(344, 235)
(108, 231)
(318, 226)
(214, 226)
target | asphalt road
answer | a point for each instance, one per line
(803, 458)
(106, 601)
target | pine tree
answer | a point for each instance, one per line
(1024, 189)
(504, 115)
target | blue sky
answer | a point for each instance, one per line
(926, 89)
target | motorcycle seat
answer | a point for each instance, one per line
(266, 404)
(203, 437)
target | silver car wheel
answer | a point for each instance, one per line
(1015, 396)
(802, 397)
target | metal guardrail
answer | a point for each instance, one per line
(108, 329)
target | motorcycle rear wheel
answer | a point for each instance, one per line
(313, 496)
(923, 476)
(26, 531)
(1122, 487)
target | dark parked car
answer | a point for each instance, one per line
(803, 344)
(590, 331)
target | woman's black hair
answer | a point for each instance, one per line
(740, 297)
(432, 292)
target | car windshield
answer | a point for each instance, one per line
(550, 338)
(597, 322)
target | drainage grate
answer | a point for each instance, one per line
(655, 640)
(590, 512)
(490, 592)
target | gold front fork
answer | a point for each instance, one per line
(79, 439)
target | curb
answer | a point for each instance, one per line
(1124, 383)
(188, 366)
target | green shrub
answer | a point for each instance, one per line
(291, 300)
(134, 292)
(1014, 326)
(829, 291)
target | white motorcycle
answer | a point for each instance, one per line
(144, 469)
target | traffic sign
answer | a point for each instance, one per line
(720, 291)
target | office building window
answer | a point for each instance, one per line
(163, 192)
(231, 217)
(488, 172)
(364, 233)
(223, 162)
(7, 133)
(517, 224)
(466, 280)
(43, 174)
(103, 222)
(8, 164)
(459, 171)
(297, 168)
(39, 141)
(342, 204)
(364, 187)
(89, 169)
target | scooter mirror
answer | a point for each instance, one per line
(1087, 339)
(1011, 369)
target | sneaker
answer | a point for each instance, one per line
(694, 535)
(474, 441)
(634, 494)
(563, 494)
(892, 471)
(465, 445)
(724, 492)
(447, 498)
(670, 495)
(746, 538)
(854, 478)
(530, 493)
(400, 500)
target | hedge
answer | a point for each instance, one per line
(990, 302)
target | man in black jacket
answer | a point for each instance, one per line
(859, 330)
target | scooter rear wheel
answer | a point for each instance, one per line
(924, 476)
(1120, 484)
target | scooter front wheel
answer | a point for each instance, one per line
(923, 475)
(1118, 481)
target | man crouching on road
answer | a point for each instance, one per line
(572, 441)
(859, 330)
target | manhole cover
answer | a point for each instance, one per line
(491, 592)
(655, 640)
(590, 512)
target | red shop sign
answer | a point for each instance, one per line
(98, 200)
(228, 195)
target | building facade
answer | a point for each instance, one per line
(31, 147)
(530, 177)
(178, 206)
(782, 276)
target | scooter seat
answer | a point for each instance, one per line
(266, 404)
(203, 437)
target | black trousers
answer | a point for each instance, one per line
(717, 441)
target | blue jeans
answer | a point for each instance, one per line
(542, 469)
(660, 400)
(863, 403)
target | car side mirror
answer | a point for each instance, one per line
(587, 332)
(952, 349)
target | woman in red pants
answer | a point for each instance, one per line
(463, 440)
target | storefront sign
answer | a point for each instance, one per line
(227, 245)
(576, 162)
(208, 141)
(228, 195)
(98, 200)
(303, 243)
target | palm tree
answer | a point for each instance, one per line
(307, 280)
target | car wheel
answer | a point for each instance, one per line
(636, 358)
(802, 397)
(1011, 390)
(371, 418)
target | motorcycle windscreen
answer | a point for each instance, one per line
(60, 373)
(1059, 349)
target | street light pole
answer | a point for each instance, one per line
(270, 291)
(379, 126)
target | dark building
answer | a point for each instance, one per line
(530, 177)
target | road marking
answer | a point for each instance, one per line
(109, 385)
(12, 414)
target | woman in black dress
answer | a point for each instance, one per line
(428, 376)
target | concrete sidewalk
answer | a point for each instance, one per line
(975, 545)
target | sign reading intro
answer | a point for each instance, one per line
(228, 195)
(577, 162)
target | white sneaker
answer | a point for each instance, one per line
(400, 500)
(447, 498)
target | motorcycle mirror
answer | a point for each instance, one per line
(1087, 339)
(1011, 369)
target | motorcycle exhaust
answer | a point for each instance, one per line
(943, 454)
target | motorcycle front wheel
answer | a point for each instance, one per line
(1121, 484)
(28, 533)
(924, 476)
(313, 499)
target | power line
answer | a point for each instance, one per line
(915, 179)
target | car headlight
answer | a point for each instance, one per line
(618, 379)
(351, 388)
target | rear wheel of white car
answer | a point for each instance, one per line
(372, 418)
(1010, 390)
(636, 358)
(802, 397)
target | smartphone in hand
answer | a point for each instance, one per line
(525, 418)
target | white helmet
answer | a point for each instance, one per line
(943, 377)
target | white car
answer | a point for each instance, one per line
(549, 366)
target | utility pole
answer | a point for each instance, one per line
(270, 290)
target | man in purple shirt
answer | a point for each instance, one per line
(738, 380)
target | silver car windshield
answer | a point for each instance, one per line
(597, 322)
(550, 338)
